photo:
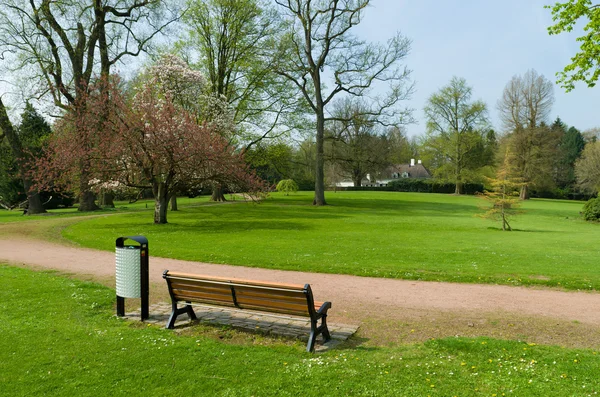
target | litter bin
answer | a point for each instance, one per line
(132, 280)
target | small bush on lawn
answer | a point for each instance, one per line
(591, 210)
(287, 186)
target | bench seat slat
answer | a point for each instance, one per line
(206, 301)
(206, 290)
(195, 298)
(245, 303)
(276, 310)
(181, 295)
(176, 275)
(200, 284)
(257, 291)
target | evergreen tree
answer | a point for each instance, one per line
(34, 129)
(571, 146)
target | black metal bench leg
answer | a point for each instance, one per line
(325, 331)
(312, 338)
(187, 309)
(311, 342)
(190, 311)
(172, 319)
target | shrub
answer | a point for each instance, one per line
(431, 186)
(287, 186)
(591, 210)
(306, 184)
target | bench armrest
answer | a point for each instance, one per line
(323, 309)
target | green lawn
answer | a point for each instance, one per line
(120, 206)
(379, 234)
(60, 337)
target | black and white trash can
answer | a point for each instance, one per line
(132, 279)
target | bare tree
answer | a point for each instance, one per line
(65, 43)
(357, 146)
(318, 43)
(526, 101)
(524, 110)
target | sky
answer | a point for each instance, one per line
(487, 43)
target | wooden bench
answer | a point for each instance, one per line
(289, 299)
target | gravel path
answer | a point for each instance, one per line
(354, 298)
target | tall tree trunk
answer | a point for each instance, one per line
(459, 188)
(106, 200)
(33, 198)
(174, 203)
(87, 201)
(320, 164)
(86, 196)
(524, 194)
(161, 202)
(34, 201)
(217, 193)
(357, 181)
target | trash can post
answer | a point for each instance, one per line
(132, 275)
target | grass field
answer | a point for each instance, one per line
(379, 234)
(60, 337)
(120, 206)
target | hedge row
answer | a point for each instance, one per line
(420, 186)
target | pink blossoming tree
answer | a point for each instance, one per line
(151, 141)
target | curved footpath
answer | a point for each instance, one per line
(354, 298)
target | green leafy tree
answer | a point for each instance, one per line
(584, 65)
(233, 42)
(272, 162)
(587, 168)
(503, 196)
(454, 130)
(11, 186)
(34, 129)
(303, 161)
(402, 149)
(570, 146)
(287, 186)
(591, 210)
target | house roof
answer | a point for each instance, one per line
(413, 171)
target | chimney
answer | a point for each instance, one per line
(418, 161)
(412, 162)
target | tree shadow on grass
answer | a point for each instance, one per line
(410, 207)
(239, 226)
(355, 342)
(270, 212)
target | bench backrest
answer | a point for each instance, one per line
(294, 299)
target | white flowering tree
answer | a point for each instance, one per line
(190, 90)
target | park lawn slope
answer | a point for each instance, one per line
(378, 234)
(60, 337)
